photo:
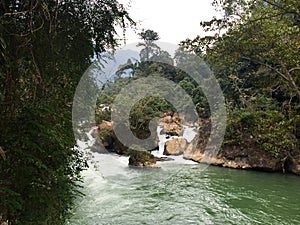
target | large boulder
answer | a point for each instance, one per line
(106, 134)
(191, 152)
(105, 125)
(108, 139)
(175, 146)
(141, 158)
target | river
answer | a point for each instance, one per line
(182, 192)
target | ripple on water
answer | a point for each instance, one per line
(183, 194)
(191, 196)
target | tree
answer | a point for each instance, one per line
(254, 53)
(151, 49)
(45, 48)
(262, 33)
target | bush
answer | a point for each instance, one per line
(267, 130)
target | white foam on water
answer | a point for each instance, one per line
(189, 134)
(107, 165)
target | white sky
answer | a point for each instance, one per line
(173, 20)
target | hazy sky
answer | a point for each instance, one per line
(174, 20)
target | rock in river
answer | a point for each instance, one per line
(141, 158)
(175, 146)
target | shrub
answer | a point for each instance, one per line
(268, 130)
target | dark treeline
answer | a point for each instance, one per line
(45, 46)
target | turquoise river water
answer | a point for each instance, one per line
(181, 192)
(184, 193)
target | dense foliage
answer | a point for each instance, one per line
(45, 46)
(154, 62)
(254, 52)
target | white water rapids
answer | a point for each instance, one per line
(179, 193)
(111, 164)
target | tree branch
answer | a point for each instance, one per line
(293, 69)
(290, 78)
(279, 7)
(266, 65)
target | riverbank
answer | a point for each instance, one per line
(248, 155)
(247, 159)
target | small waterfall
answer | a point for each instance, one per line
(189, 134)
(91, 139)
(111, 165)
(161, 142)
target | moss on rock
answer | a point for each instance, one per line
(141, 158)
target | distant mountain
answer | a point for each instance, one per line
(105, 69)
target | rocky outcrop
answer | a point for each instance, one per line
(245, 155)
(173, 129)
(171, 124)
(292, 164)
(141, 158)
(175, 146)
(250, 159)
(105, 132)
(172, 121)
(109, 139)
(105, 125)
(232, 156)
(238, 157)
